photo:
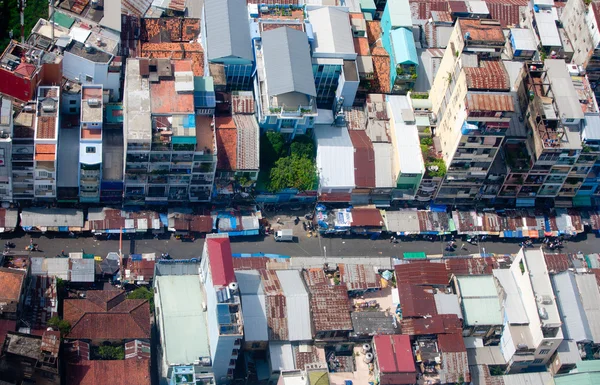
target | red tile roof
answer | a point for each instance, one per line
(490, 75)
(478, 31)
(422, 273)
(11, 282)
(361, 46)
(226, 143)
(367, 218)
(165, 100)
(176, 51)
(95, 317)
(46, 127)
(416, 301)
(221, 261)
(364, 159)
(118, 372)
(394, 354)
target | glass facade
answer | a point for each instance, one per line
(239, 77)
(326, 83)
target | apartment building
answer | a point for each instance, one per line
(333, 57)
(532, 325)
(45, 142)
(170, 153)
(224, 309)
(90, 143)
(407, 165)
(6, 148)
(23, 150)
(550, 164)
(226, 39)
(284, 86)
(471, 96)
(398, 41)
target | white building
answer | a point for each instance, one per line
(46, 141)
(335, 159)
(224, 312)
(532, 325)
(90, 143)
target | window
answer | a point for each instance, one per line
(256, 345)
(543, 352)
(537, 361)
(569, 120)
(72, 110)
(72, 101)
(90, 150)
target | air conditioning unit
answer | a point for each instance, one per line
(93, 102)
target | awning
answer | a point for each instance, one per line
(582, 201)
(416, 255)
(525, 202)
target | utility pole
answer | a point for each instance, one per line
(22, 5)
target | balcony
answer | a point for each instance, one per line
(44, 193)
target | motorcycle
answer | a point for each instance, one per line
(9, 245)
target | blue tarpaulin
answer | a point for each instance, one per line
(164, 219)
(438, 208)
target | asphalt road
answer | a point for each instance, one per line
(304, 246)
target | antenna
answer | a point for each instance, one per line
(22, 5)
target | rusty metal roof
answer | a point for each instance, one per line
(421, 273)
(366, 218)
(315, 276)
(416, 301)
(451, 343)
(454, 368)
(330, 308)
(359, 277)
(471, 266)
(490, 102)
(557, 263)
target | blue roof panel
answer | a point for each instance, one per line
(403, 43)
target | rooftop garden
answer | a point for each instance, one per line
(435, 167)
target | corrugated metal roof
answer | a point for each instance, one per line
(297, 302)
(454, 368)
(221, 261)
(416, 301)
(451, 343)
(421, 273)
(287, 62)
(383, 165)
(227, 29)
(543, 378)
(447, 304)
(489, 102)
(253, 305)
(407, 137)
(546, 27)
(82, 270)
(364, 159)
(405, 51)
(366, 217)
(247, 142)
(403, 220)
(35, 217)
(282, 356)
(359, 277)
(394, 354)
(330, 307)
(591, 128)
(400, 14)
(332, 31)
(57, 267)
(590, 299)
(471, 266)
(335, 157)
(480, 302)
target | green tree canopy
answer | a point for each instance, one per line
(272, 147)
(143, 293)
(108, 352)
(303, 146)
(63, 326)
(293, 172)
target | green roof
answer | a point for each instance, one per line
(367, 5)
(417, 255)
(588, 374)
(480, 302)
(63, 20)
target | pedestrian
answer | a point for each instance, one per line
(62, 253)
(462, 247)
(392, 239)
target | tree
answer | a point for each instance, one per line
(272, 147)
(143, 293)
(108, 352)
(293, 172)
(303, 146)
(62, 325)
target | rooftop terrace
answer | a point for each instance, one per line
(47, 107)
(91, 104)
